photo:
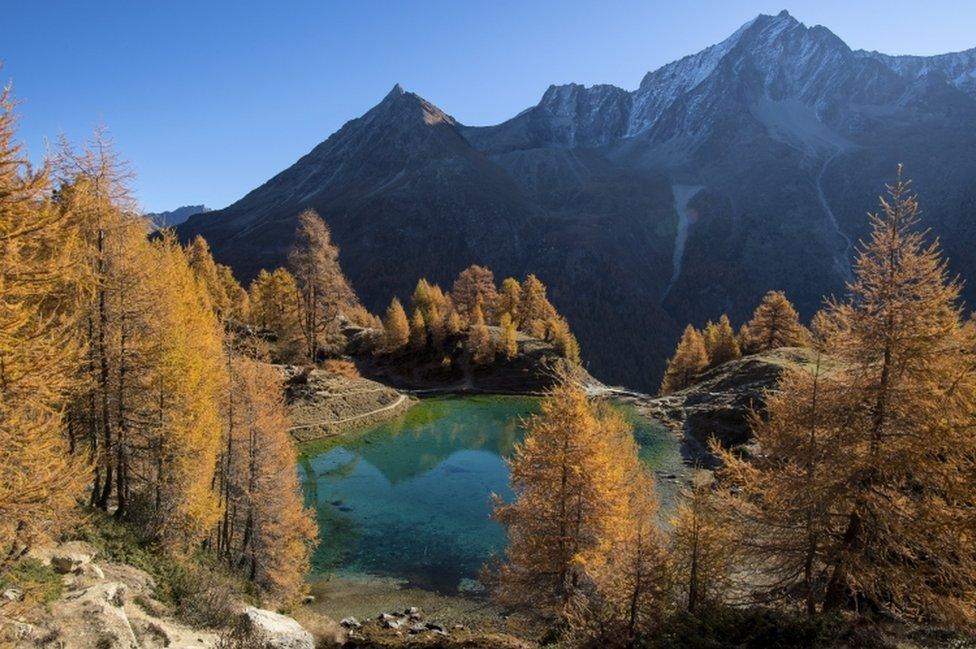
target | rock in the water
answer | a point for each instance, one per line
(274, 631)
(418, 628)
(471, 586)
(308, 599)
(350, 623)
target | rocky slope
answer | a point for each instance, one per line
(324, 404)
(788, 134)
(104, 605)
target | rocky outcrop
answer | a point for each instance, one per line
(720, 403)
(111, 605)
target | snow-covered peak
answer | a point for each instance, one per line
(957, 68)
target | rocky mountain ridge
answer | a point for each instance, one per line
(745, 167)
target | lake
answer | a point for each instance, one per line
(409, 499)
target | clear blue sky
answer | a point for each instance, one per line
(208, 99)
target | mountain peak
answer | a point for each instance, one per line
(784, 14)
(397, 91)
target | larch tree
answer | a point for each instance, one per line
(570, 508)
(479, 342)
(39, 289)
(508, 338)
(720, 342)
(702, 552)
(780, 505)
(509, 300)
(633, 587)
(418, 331)
(689, 360)
(906, 357)
(396, 327)
(238, 301)
(322, 288)
(273, 299)
(474, 286)
(535, 310)
(775, 323)
(265, 531)
(206, 271)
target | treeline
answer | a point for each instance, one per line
(856, 495)
(119, 387)
(473, 305)
(305, 315)
(775, 323)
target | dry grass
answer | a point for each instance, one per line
(341, 367)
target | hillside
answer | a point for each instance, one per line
(745, 167)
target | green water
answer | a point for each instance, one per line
(410, 498)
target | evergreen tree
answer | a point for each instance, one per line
(775, 323)
(396, 327)
(689, 360)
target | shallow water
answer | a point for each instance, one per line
(410, 498)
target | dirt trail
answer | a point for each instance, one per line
(345, 420)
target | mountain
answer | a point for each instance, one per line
(745, 167)
(172, 218)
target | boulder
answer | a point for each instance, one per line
(274, 631)
(350, 623)
(69, 562)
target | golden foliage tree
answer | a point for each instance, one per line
(209, 275)
(418, 331)
(396, 327)
(535, 308)
(265, 530)
(781, 509)
(508, 336)
(274, 307)
(479, 339)
(702, 551)
(775, 323)
(509, 300)
(689, 359)
(720, 342)
(474, 287)
(906, 540)
(39, 287)
(571, 507)
(633, 586)
(322, 287)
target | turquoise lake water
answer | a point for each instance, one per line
(410, 498)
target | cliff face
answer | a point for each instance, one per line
(742, 168)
